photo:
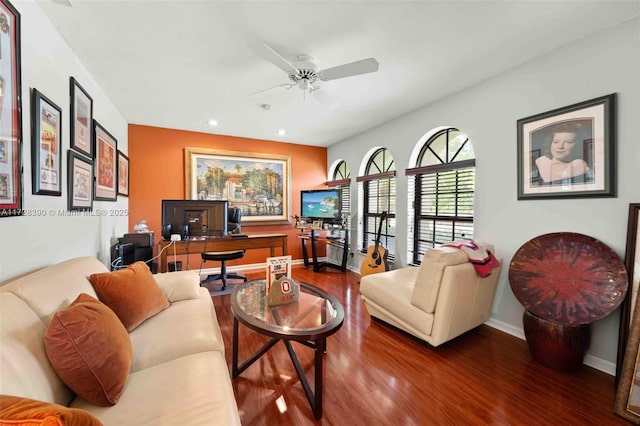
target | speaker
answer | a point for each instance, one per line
(166, 231)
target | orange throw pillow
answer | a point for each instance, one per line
(16, 410)
(90, 350)
(132, 293)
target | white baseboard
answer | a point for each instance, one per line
(590, 360)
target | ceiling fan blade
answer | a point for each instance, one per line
(272, 56)
(287, 85)
(324, 99)
(347, 70)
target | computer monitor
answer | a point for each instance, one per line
(194, 218)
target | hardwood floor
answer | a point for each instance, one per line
(376, 375)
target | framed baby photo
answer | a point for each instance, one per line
(568, 152)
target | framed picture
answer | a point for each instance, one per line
(105, 147)
(81, 119)
(46, 150)
(568, 152)
(123, 174)
(257, 183)
(10, 112)
(632, 262)
(627, 402)
(80, 181)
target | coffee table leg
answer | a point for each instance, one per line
(319, 363)
(234, 361)
(314, 396)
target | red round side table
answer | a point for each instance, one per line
(565, 281)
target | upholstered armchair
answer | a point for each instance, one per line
(440, 299)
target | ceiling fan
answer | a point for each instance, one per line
(305, 74)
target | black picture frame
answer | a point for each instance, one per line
(123, 174)
(631, 259)
(81, 123)
(105, 148)
(46, 145)
(627, 374)
(80, 181)
(550, 161)
(11, 187)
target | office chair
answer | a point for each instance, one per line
(234, 216)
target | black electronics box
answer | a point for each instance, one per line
(139, 239)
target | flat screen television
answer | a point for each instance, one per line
(321, 204)
(194, 218)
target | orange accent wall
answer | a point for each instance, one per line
(156, 157)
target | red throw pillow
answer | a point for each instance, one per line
(132, 293)
(16, 410)
(90, 350)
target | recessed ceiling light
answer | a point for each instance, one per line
(281, 132)
(213, 122)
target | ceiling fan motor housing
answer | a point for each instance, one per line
(307, 72)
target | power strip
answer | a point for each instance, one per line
(175, 237)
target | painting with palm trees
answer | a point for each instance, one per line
(257, 183)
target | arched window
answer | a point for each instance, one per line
(379, 195)
(341, 179)
(443, 187)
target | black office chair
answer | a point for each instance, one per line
(234, 216)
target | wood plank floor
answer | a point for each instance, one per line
(376, 375)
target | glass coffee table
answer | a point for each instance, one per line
(315, 316)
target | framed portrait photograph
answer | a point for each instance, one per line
(105, 147)
(80, 181)
(568, 152)
(123, 174)
(81, 119)
(10, 112)
(257, 183)
(46, 139)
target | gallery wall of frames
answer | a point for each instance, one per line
(96, 169)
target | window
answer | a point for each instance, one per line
(342, 180)
(378, 187)
(443, 188)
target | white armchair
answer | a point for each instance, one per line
(437, 301)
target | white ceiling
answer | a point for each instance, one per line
(178, 64)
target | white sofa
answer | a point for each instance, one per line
(435, 302)
(178, 375)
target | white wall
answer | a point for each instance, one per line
(27, 243)
(606, 63)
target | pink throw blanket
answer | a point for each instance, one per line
(482, 259)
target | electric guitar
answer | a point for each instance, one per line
(376, 258)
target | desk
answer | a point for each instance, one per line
(197, 245)
(314, 238)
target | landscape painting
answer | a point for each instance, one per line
(257, 183)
